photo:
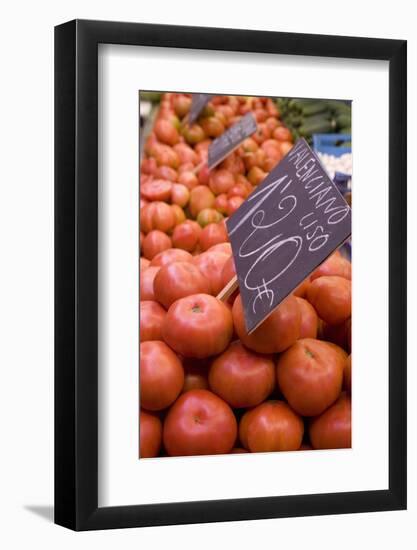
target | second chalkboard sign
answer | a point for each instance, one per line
(288, 226)
(198, 102)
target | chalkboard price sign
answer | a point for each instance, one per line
(288, 226)
(221, 147)
(198, 102)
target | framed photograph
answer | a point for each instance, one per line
(230, 245)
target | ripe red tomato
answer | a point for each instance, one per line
(177, 280)
(221, 180)
(226, 248)
(170, 256)
(166, 173)
(150, 435)
(271, 426)
(310, 375)
(228, 271)
(179, 214)
(241, 377)
(331, 298)
(156, 190)
(282, 134)
(213, 233)
(185, 153)
(199, 423)
(233, 204)
(151, 317)
(277, 333)
(309, 319)
(166, 132)
(188, 179)
(256, 175)
(146, 280)
(161, 376)
(180, 194)
(211, 265)
(155, 242)
(220, 204)
(198, 326)
(347, 375)
(334, 265)
(200, 198)
(157, 215)
(333, 429)
(186, 235)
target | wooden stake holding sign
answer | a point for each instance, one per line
(286, 228)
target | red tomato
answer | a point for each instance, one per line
(238, 190)
(198, 326)
(186, 235)
(166, 156)
(334, 265)
(221, 181)
(271, 426)
(180, 194)
(310, 375)
(146, 283)
(199, 423)
(185, 153)
(282, 134)
(161, 376)
(151, 317)
(347, 375)
(241, 377)
(166, 132)
(211, 265)
(200, 198)
(213, 233)
(188, 179)
(155, 242)
(150, 435)
(203, 175)
(220, 204)
(181, 105)
(157, 215)
(226, 248)
(277, 333)
(331, 298)
(309, 319)
(170, 256)
(148, 166)
(233, 204)
(285, 147)
(233, 164)
(332, 429)
(177, 280)
(178, 213)
(166, 173)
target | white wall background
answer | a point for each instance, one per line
(26, 274)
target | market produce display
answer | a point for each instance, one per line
(206, 386)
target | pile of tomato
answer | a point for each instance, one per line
(206, 386)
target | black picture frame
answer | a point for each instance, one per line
(76, 271)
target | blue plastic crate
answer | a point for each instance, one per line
(327, 144)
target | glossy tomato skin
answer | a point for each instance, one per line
(333, 429)
(309, 320)
(331, 298)
(278, 332)
(198, 326)
(242, 377)
(186, 235)
(177, 280)
(212, 234)
(155, 242)
(271, 426)
(170, 256)
(310, 375)
(161, 376)
(151, 317)
(150, 435)
(147, 277)
(334, 265)
(199, 423)
(211, 265)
